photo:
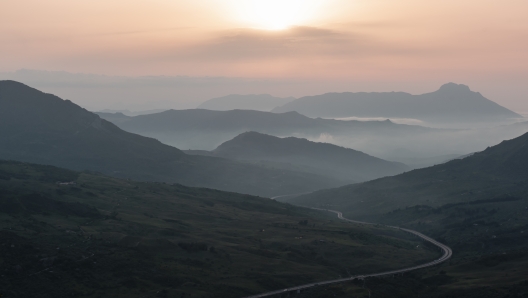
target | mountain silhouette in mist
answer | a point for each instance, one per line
(322, 158)
(205, 129)
(451, 103)
(42, 128)
(257, 102)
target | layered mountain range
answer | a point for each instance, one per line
(257, 102)
(42, 128)
(205, 129)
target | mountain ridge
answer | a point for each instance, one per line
(42, 128)
(451, 102)
(257, 102)
(205, 129)
(336, 161)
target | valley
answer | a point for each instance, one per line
(105, 237)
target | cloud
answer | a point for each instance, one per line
(297, 42)
(297, 45)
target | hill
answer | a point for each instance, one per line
(451, 103)
(257, 102)
(488, 189)
(498, 170)
(322, 158)
(478, 205)
(206, 130)
(97, 236)
(42, 128)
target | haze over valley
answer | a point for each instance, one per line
(263, 148)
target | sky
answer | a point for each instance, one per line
(305, 46)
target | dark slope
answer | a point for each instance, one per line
(205, 129)
(477, 205)
(42, 128)
(108, 237)
(497, 171)
(257, 102)
(451, 102)
(338, 162)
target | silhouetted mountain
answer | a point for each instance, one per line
(42, 128)
(321, 158)
(257, 102)
(496, 171)
(205, 129)
(451, 103)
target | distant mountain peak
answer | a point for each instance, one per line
(453, 87)
(259, 102)
(452, 103)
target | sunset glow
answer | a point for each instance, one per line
(276, 14)
(330, 45)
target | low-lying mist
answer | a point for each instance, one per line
(427, 149)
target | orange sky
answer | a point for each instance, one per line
(483, 43)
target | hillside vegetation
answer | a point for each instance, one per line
(477, 205)
(65, 233)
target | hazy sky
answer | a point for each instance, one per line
(369, 45)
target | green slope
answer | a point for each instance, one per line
(106, 237)
(42, 128)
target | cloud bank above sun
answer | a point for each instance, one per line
(276, 14)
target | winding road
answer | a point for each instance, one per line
(447, 253)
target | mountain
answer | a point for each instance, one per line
(42, 128)
(97, 236)
(205, 129)
(498, 170)
(257, 102)
(321, 158)
(478, 205)
(451, 103)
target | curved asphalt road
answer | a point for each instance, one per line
(446, 250)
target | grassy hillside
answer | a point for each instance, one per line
(95, 236)
(42, 128)
(477, 205)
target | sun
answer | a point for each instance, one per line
(276, 14)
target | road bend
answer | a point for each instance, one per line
(447, 253)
